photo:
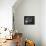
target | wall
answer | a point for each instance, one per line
(28, 8)
(43, 22)
(6, 13)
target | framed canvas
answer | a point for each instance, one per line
(29, 20)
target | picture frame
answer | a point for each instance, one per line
(29, 20)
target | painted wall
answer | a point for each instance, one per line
(28, 8)
(43, 22)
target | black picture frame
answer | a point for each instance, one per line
(29, 20)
